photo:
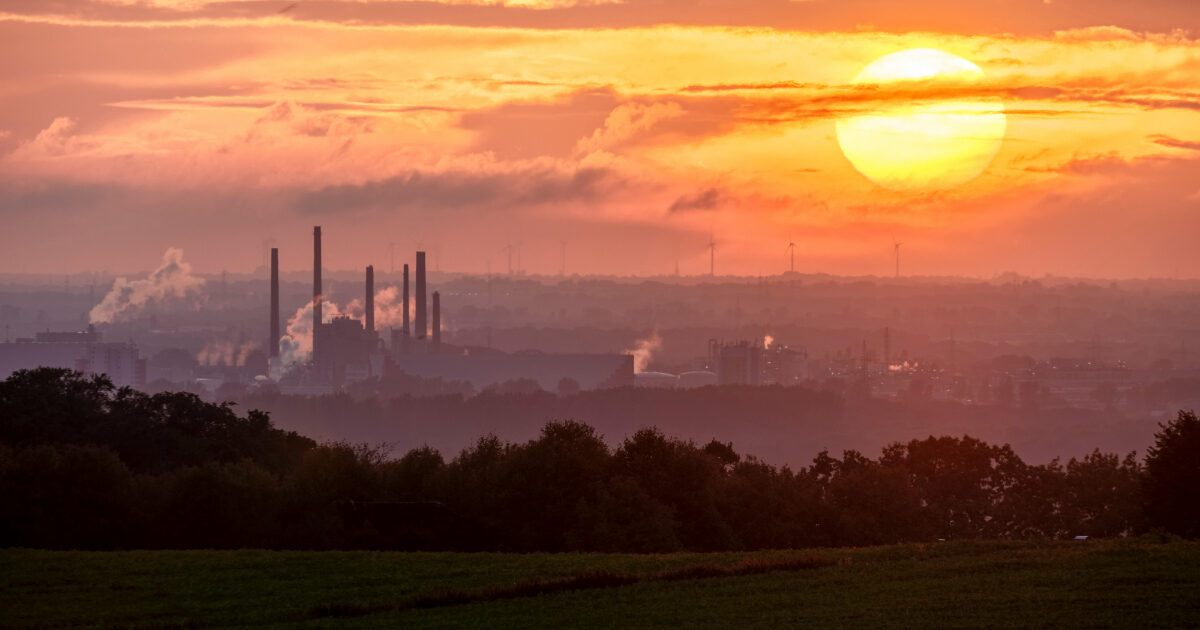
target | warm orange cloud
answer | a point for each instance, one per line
(185, 117)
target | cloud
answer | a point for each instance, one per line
(461, 189)
(625, 122)
(737, 87)
(707, 199)
(55, 140)
(1174, 143)
(1065, 20)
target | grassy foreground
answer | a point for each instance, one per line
(1094, 584)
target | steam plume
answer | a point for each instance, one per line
(643, 350)
(225, 352)
(172, 278)
(296, 344)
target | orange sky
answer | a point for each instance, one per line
(129, 127)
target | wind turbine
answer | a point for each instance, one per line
(791, 248)
(896, 252)
(712, 256)
(509, 250)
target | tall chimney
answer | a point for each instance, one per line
(422, 328)
(407, 324)
(273, 342)
(370, 298)
(437, 322)
(316, 279)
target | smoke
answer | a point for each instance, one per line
(643, 350)
(296, 344)
(389, 308)
(225, 352)
(173, 278)
(767, 341)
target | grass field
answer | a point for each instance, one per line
(1093, 584)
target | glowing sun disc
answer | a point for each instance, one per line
(921, 146)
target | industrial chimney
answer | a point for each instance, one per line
(407, 324)
(273, 342)
(422, 328)
(316, 278)
(437, 323)
(370, 323)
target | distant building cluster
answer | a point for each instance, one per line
(758, 362)
(83, 351)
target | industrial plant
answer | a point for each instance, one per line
(346, 349)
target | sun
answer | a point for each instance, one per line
(914, 138)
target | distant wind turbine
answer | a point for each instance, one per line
(712, 256)
(509, 250)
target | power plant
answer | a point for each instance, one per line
(347, 349)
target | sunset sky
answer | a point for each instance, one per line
(630, 130)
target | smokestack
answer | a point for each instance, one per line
(273, 345)
(887, 346)
(407, 327)
(422, 328)
(316, 281)
(437, 322)
(370, 298)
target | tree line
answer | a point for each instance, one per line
(86, 465)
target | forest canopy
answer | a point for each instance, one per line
(86, 465)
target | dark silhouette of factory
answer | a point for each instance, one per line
(346, 349)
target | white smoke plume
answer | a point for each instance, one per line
(643, 350)
(173, 278)
(389, 308)
(767, 341)
(225, 352)
(296, 344)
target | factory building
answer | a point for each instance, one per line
(346, 350)
(736, 363)
(83, 351)
(755, 363)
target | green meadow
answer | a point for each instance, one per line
(1145, 583)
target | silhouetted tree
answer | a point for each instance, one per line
(623, 517)
(1172, 479)
(545, 481)
(1102, 495)
(682, 477)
